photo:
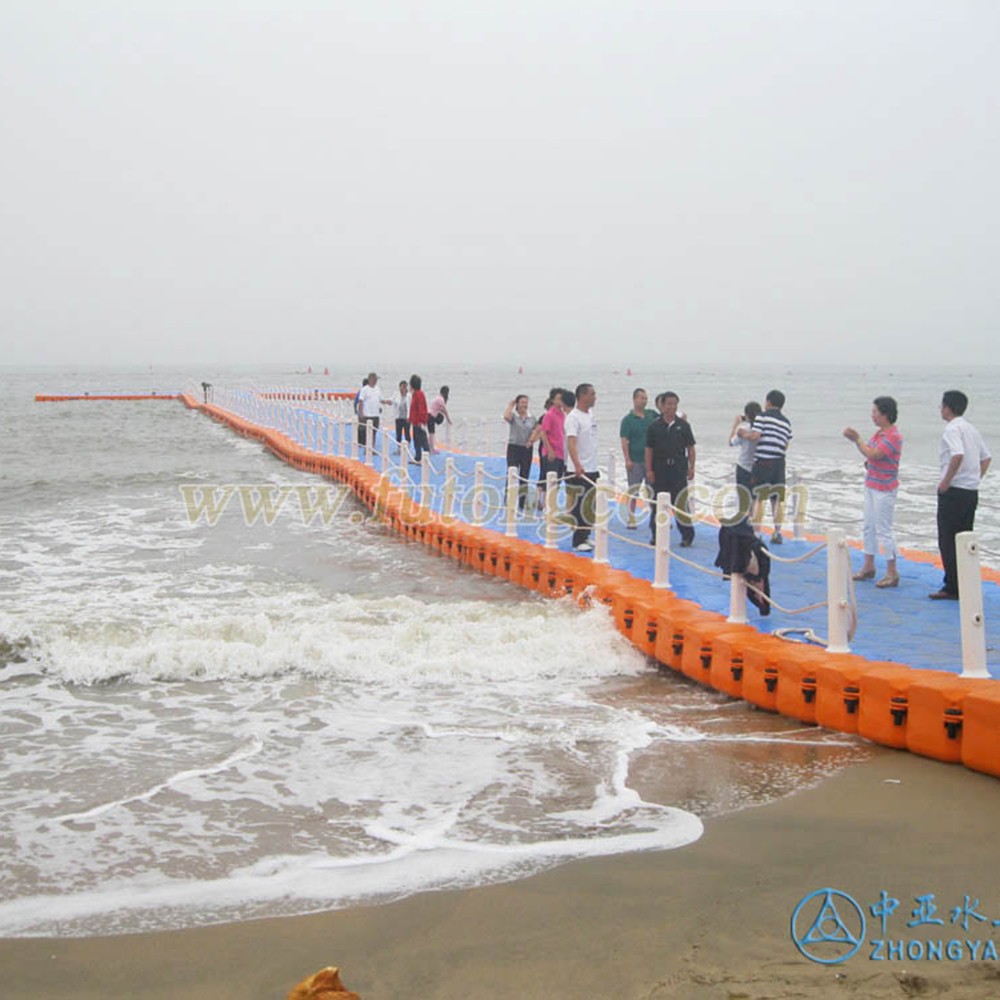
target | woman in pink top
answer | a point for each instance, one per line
(881, 484)
(437, 414)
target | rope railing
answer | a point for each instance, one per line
(327, 427)
(798, 558)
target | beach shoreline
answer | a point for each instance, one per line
(707, 920)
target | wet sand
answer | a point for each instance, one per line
(710, 920)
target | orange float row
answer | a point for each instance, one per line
(932, 713)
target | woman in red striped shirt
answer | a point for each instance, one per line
(882, 455)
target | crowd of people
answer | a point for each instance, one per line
(659, 451)
(416, 420)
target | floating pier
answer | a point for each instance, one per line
(903, 672)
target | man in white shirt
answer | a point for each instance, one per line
(370, 403)
(964, 459)
(581, 456)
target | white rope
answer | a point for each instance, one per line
(694, 565)
(808, 633)
(787, 611)
(795, 559)
(631, 541)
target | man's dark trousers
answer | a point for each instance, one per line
(956, 511)
(584, 499)
(674, 485)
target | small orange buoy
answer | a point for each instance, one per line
(326, 371)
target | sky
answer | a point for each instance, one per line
(471, 181)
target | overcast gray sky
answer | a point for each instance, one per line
(308, 182)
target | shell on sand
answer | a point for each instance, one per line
(323, 985)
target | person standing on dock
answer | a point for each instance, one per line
(964, 459)
(551, 432)
(739, 437)
(581, 448)
(669, 462)
(401, 407)
(519, 444)
(772, 432)
(370, 403)
(881, 485)
(418, 418)
(632, 431)
(437, 414)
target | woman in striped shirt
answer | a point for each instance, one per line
(881, 484)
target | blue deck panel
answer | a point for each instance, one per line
(899, 624)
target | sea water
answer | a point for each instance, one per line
(215, 722)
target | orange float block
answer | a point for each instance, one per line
(981, 729)
(838, 690)
(670, 633)
(699, 632)
(937, 714)
(883, 712)
(725, 672)
(762, 655)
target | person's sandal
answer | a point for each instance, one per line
(864, 575)
(888, 581)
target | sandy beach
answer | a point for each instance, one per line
(710, 920)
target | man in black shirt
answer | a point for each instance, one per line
(670, 455)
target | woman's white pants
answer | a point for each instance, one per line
(879, 508)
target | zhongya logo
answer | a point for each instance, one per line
(828, 926)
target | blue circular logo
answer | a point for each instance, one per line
(824, 933)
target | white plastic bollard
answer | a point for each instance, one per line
(661, 578)
(970, 605)
(737, 599)
(601, 516)
(838, 608)
(448, 506)
(477, 495)
(798, 509)
(512, 485)
(425, 479)
(551, 508)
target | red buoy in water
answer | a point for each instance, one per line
(520, 369)
(326, 371)
(628, 371)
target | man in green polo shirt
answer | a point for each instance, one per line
(633, 429)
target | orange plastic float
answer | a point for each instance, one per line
(935, 714)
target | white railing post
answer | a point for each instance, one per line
(613, 472)
(349, 438)
(425, 479)
(970, 605)
(385, 450)
(737, 599)
(661, 579)
(448, 506)
(551, 508)
(512, 488)
(838, 608)
(369, 444)
(601, 524)
(798, 509)
(477, 495)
